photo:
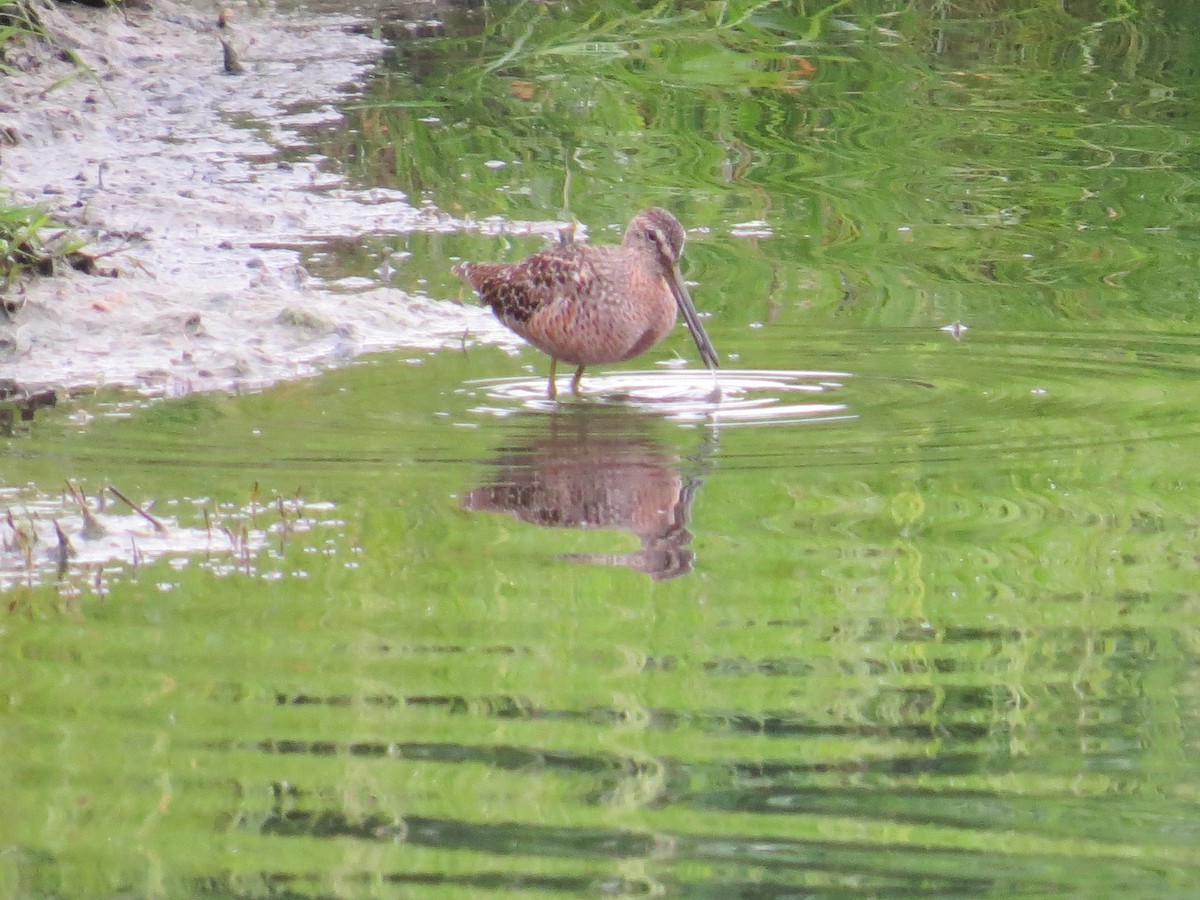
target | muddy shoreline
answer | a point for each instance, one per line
(175, 172)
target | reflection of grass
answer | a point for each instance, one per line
(614, 32)
(663, 95)
(563, 91)
(937, 159)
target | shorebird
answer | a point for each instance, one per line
(589, 304)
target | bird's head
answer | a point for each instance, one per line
(658, 231)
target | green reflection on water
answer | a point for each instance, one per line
(942, 644)
(923, 649)
(907, 168)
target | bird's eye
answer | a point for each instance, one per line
(655, 235)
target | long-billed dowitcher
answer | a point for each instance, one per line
(588, 304)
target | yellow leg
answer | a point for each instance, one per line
(551, 388)
(575, 381)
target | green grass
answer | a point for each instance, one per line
(17, 21)
(33, 243)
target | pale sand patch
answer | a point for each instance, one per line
(177, 166)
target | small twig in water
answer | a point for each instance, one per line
(65, 550)
(285, 526)
(245, 551)
(233, 65)
(25, 539)
(158, 526)
(92, 529)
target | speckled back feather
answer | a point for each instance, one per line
(516, 292)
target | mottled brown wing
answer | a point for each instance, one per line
(518, 291)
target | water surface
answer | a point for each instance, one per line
(905, 611)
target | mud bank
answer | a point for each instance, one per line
(176, 172)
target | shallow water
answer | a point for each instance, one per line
(885, 608)
(923, 632)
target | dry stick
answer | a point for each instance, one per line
(92, 528)
(285, 528)
(24, 543)
(207, 532)
(246, 546)
(233, 65)
(158, 526)
(65, 550)
(23, 540)
(254, 505)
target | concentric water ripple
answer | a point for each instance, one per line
(727, 397)
(902, 393)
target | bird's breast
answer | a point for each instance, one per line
(620, 317)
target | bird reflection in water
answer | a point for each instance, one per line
(597, 467)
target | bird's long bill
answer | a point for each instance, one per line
(683, 299)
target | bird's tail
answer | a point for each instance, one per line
(475, 274)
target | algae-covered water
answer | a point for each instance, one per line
(910, 609)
